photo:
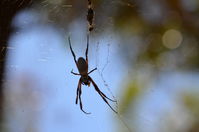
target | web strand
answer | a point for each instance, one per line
(104, 67)
(100, 72)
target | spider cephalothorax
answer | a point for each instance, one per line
(85, 79)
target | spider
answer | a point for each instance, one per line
(85, 79)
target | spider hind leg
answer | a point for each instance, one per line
(104, 97)
(79, 92)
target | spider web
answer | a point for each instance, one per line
(100, 72)
(57, 9)
(62, 9)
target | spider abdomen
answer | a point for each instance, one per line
(82, 66)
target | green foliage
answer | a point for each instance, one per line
(129, 95)
(191, 101)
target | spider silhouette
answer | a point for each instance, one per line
(85, 79)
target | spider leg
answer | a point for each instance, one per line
(75, 73)
(80, 92)
(77, 93)
(87, 48)
(72, 50)
(96, 87)
(92, 70)
(102, 95)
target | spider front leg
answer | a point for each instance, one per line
(72, 50)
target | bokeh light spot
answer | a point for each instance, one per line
(172, 39)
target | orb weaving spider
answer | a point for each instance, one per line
(85, 79)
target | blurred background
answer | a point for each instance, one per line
(146, 53)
